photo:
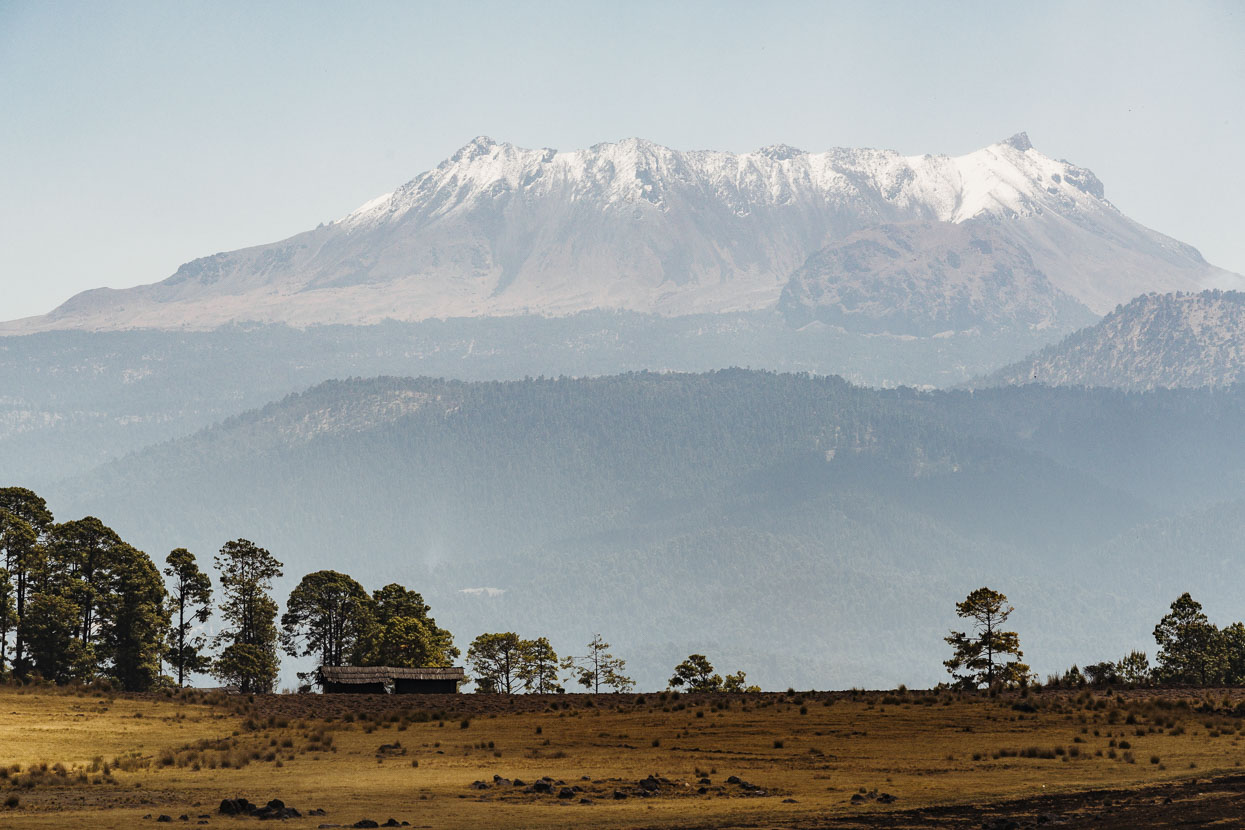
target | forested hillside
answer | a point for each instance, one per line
(809, 531)
(70, 400)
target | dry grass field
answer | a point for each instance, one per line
(82, 758)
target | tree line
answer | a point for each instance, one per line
(506, 663)
(1192, 651)
(78, 603)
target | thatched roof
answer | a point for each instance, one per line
(387, 674)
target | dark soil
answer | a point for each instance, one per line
(1217, 802)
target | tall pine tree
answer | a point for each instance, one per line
(190, 592)
(249, 657)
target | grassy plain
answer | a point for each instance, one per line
(82, 758)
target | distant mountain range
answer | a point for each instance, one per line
(1155, 341)
(866, 239)
(809, 531)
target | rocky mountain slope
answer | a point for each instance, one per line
(927, 278)
(501, 230)
(1157, 340)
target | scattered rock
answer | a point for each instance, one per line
(365, 822)
(566, 792)
(619, 795)
(236, 807)
(164, 818)
(274, 809)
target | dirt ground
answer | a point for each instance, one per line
(1083, 758)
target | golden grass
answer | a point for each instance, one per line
(162, 756)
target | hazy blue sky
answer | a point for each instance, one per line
(136, 136)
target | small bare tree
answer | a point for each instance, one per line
(599, 668)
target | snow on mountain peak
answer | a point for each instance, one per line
(481, 145)
(1020, 141)
(780, 152)
(1007, 180)
(497, 229)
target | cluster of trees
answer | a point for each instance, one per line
(78, 603)
(331, 617)
(1192, 651)
(505, 662)
(696, 675)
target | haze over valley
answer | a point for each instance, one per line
(714, 499)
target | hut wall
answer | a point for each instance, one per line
(405, 686)
(354, 688)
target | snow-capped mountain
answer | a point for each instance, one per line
(501, 230)
(1155, 341)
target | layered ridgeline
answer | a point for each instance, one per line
(501, 230)
(1167, 340)
(504, 263)
(809, 531)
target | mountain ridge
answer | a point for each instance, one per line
(500, 230)
(1156, 340)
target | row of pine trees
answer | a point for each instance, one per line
(78, 603)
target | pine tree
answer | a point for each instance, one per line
(133, 620)
(980, 656)
(328, 613)
(404, 634)
(599, 668)
(190, 591)
(24, 522)
(83, 555)
(495, 661)
(539, 670)
(249, 658)
(696, 673)
(1188, 644)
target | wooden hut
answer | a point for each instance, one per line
(359, 680)
(438, 680)
(379, 680)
